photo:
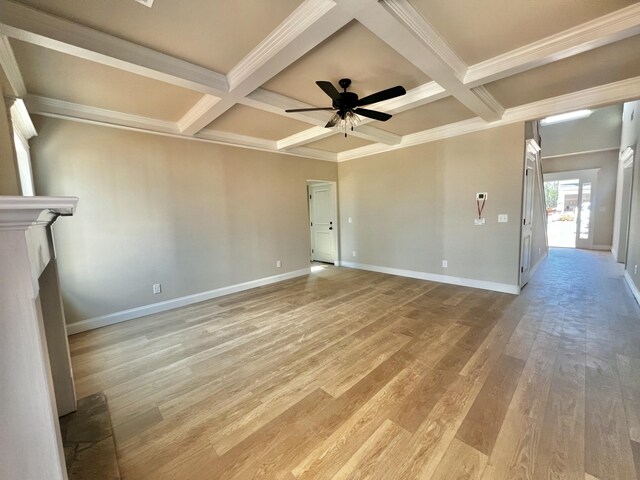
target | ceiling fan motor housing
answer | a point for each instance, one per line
(347, 101)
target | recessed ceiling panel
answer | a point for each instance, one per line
(257, 123)
(478, 30)
(213, 34)
(65, 77)
(611, 63)
(353, 52)
(338, 143)
(425, 117)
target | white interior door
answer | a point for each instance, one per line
(530, 168)
(321, 211)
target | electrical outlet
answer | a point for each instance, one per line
(157, 288)
(350, 220)
(479, 221)
(503, 218)
(278, 263)
(354, 253)
(635, 270)
(444, 264)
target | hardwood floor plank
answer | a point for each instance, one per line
(461, 462)
(480, 427)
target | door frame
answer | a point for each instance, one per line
(531, 153)
(334, 209)
(627, 159)
(584, 175)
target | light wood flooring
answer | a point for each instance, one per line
(349, 374)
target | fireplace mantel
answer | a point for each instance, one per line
(36, 383)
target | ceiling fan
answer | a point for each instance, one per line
(347, 104)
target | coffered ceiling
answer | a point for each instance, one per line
(225, 72)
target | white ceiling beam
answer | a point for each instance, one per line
(403, 28)
(600, 96)
(311, 23)
(595, 33)
(11, 70)
(39, 28)
(306, 136)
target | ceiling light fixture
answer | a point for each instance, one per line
(344, 120)
(566, 117)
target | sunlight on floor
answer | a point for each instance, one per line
(317, 268)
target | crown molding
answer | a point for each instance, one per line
(33, 26)
(600, 96)
(236, 139)
(420, 95)
(49, 106)
(315, 153)
(601, 31)
(287, 32)
(583, 152)
(10, 67)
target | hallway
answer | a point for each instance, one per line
(347, 373)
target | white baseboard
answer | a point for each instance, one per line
(606, 248)
(464, 282)
(124, 315)
(632, 286)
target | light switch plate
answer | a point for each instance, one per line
(503, 218)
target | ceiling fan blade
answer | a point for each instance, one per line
(308, 109)
(382, 95)
(329, 89)
(383, 117)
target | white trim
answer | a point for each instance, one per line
(137, 312)
(22, 121)
(464, 282)
(304, 137)
(43, 106)
(601, 31)
(605, 248)
(632, 286)
(206, 103)
(614, 252)
(626, 157)
(585, 152)
(11, 70)
(238, 140)
(39, 28)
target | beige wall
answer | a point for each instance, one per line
(631, 138)
(607, 162)
(414, 207)
(192, 216)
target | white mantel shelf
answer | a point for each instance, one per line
(18, 213)
(36, 379)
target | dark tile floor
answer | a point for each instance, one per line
(88, 443)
